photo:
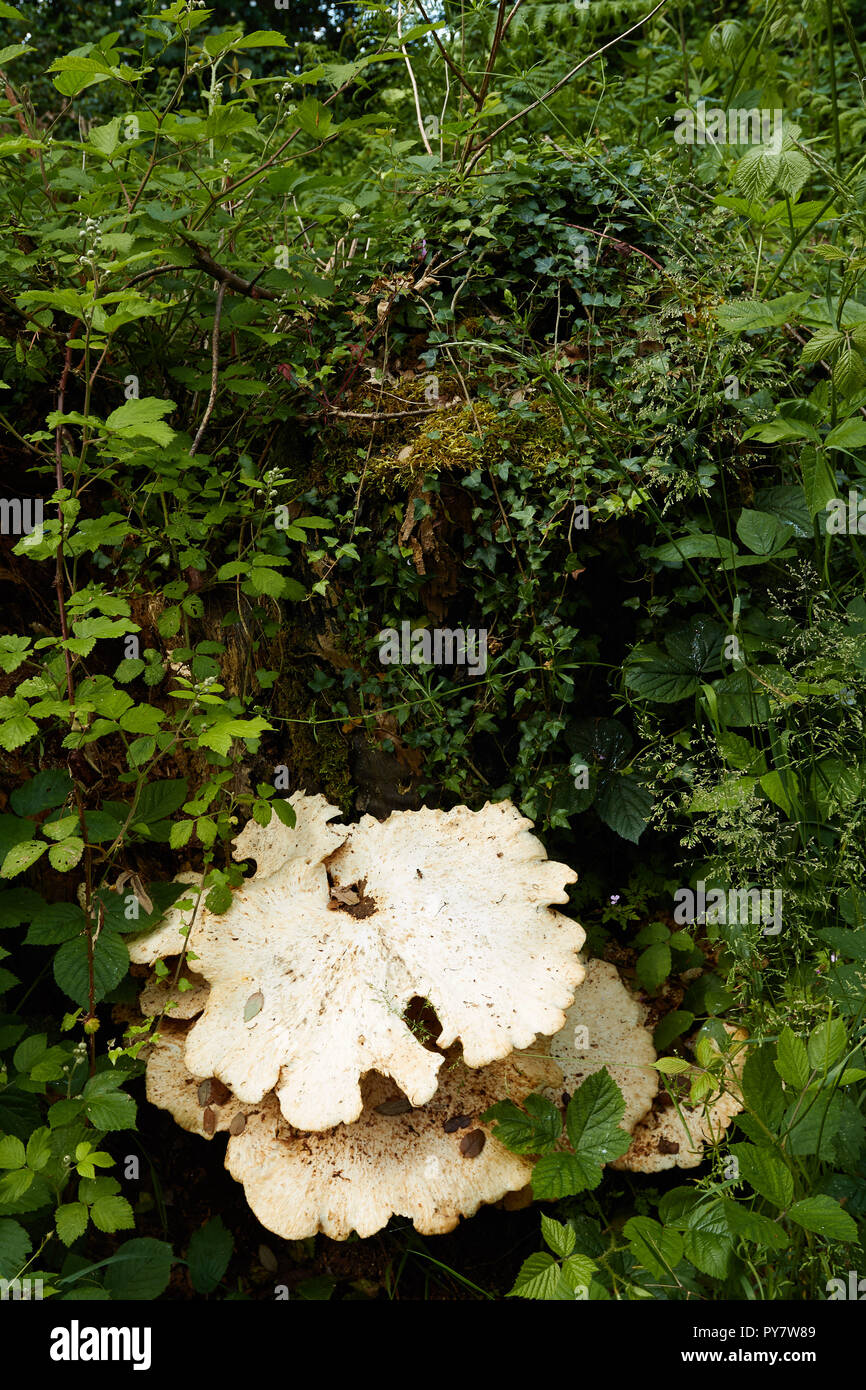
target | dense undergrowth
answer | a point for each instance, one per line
(303, 338)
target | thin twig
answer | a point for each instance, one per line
(408, 63)
(449, 61)
(215, 366)
(557, 86)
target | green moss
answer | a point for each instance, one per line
(400, 449)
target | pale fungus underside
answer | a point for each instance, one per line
(370, 992)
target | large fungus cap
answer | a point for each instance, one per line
(309, 983)
(668, 1139)
(163, 995)
(432, 1165)
(204, 1107)
(605, 1028)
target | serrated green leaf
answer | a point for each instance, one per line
(659, 1250)
(66, 855)
(20, 857)
(538, 1278)
(112, 1214)
(560, 1238)
(110, 964)
(71, 1221)
(15, 1246)
(825, 1217)
(533, 1131)
(792, 1059)
(766, 1172)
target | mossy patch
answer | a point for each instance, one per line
(394, 448)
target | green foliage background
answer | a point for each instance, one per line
(305, 332)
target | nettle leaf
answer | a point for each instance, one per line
(19, 905)
(140, 1269)
(762, 532)
(605, 744)
(533, 1131)
(751, 1225)
(762, 1087)
(708, 1242)
(693, 651)
(741, 315)
(654, 965)
(827, 1043)
(695, 546)
(792, 1059)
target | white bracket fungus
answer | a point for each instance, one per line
(668, 1138)
(431, 1164)
(605, 1028)
(452, 907)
